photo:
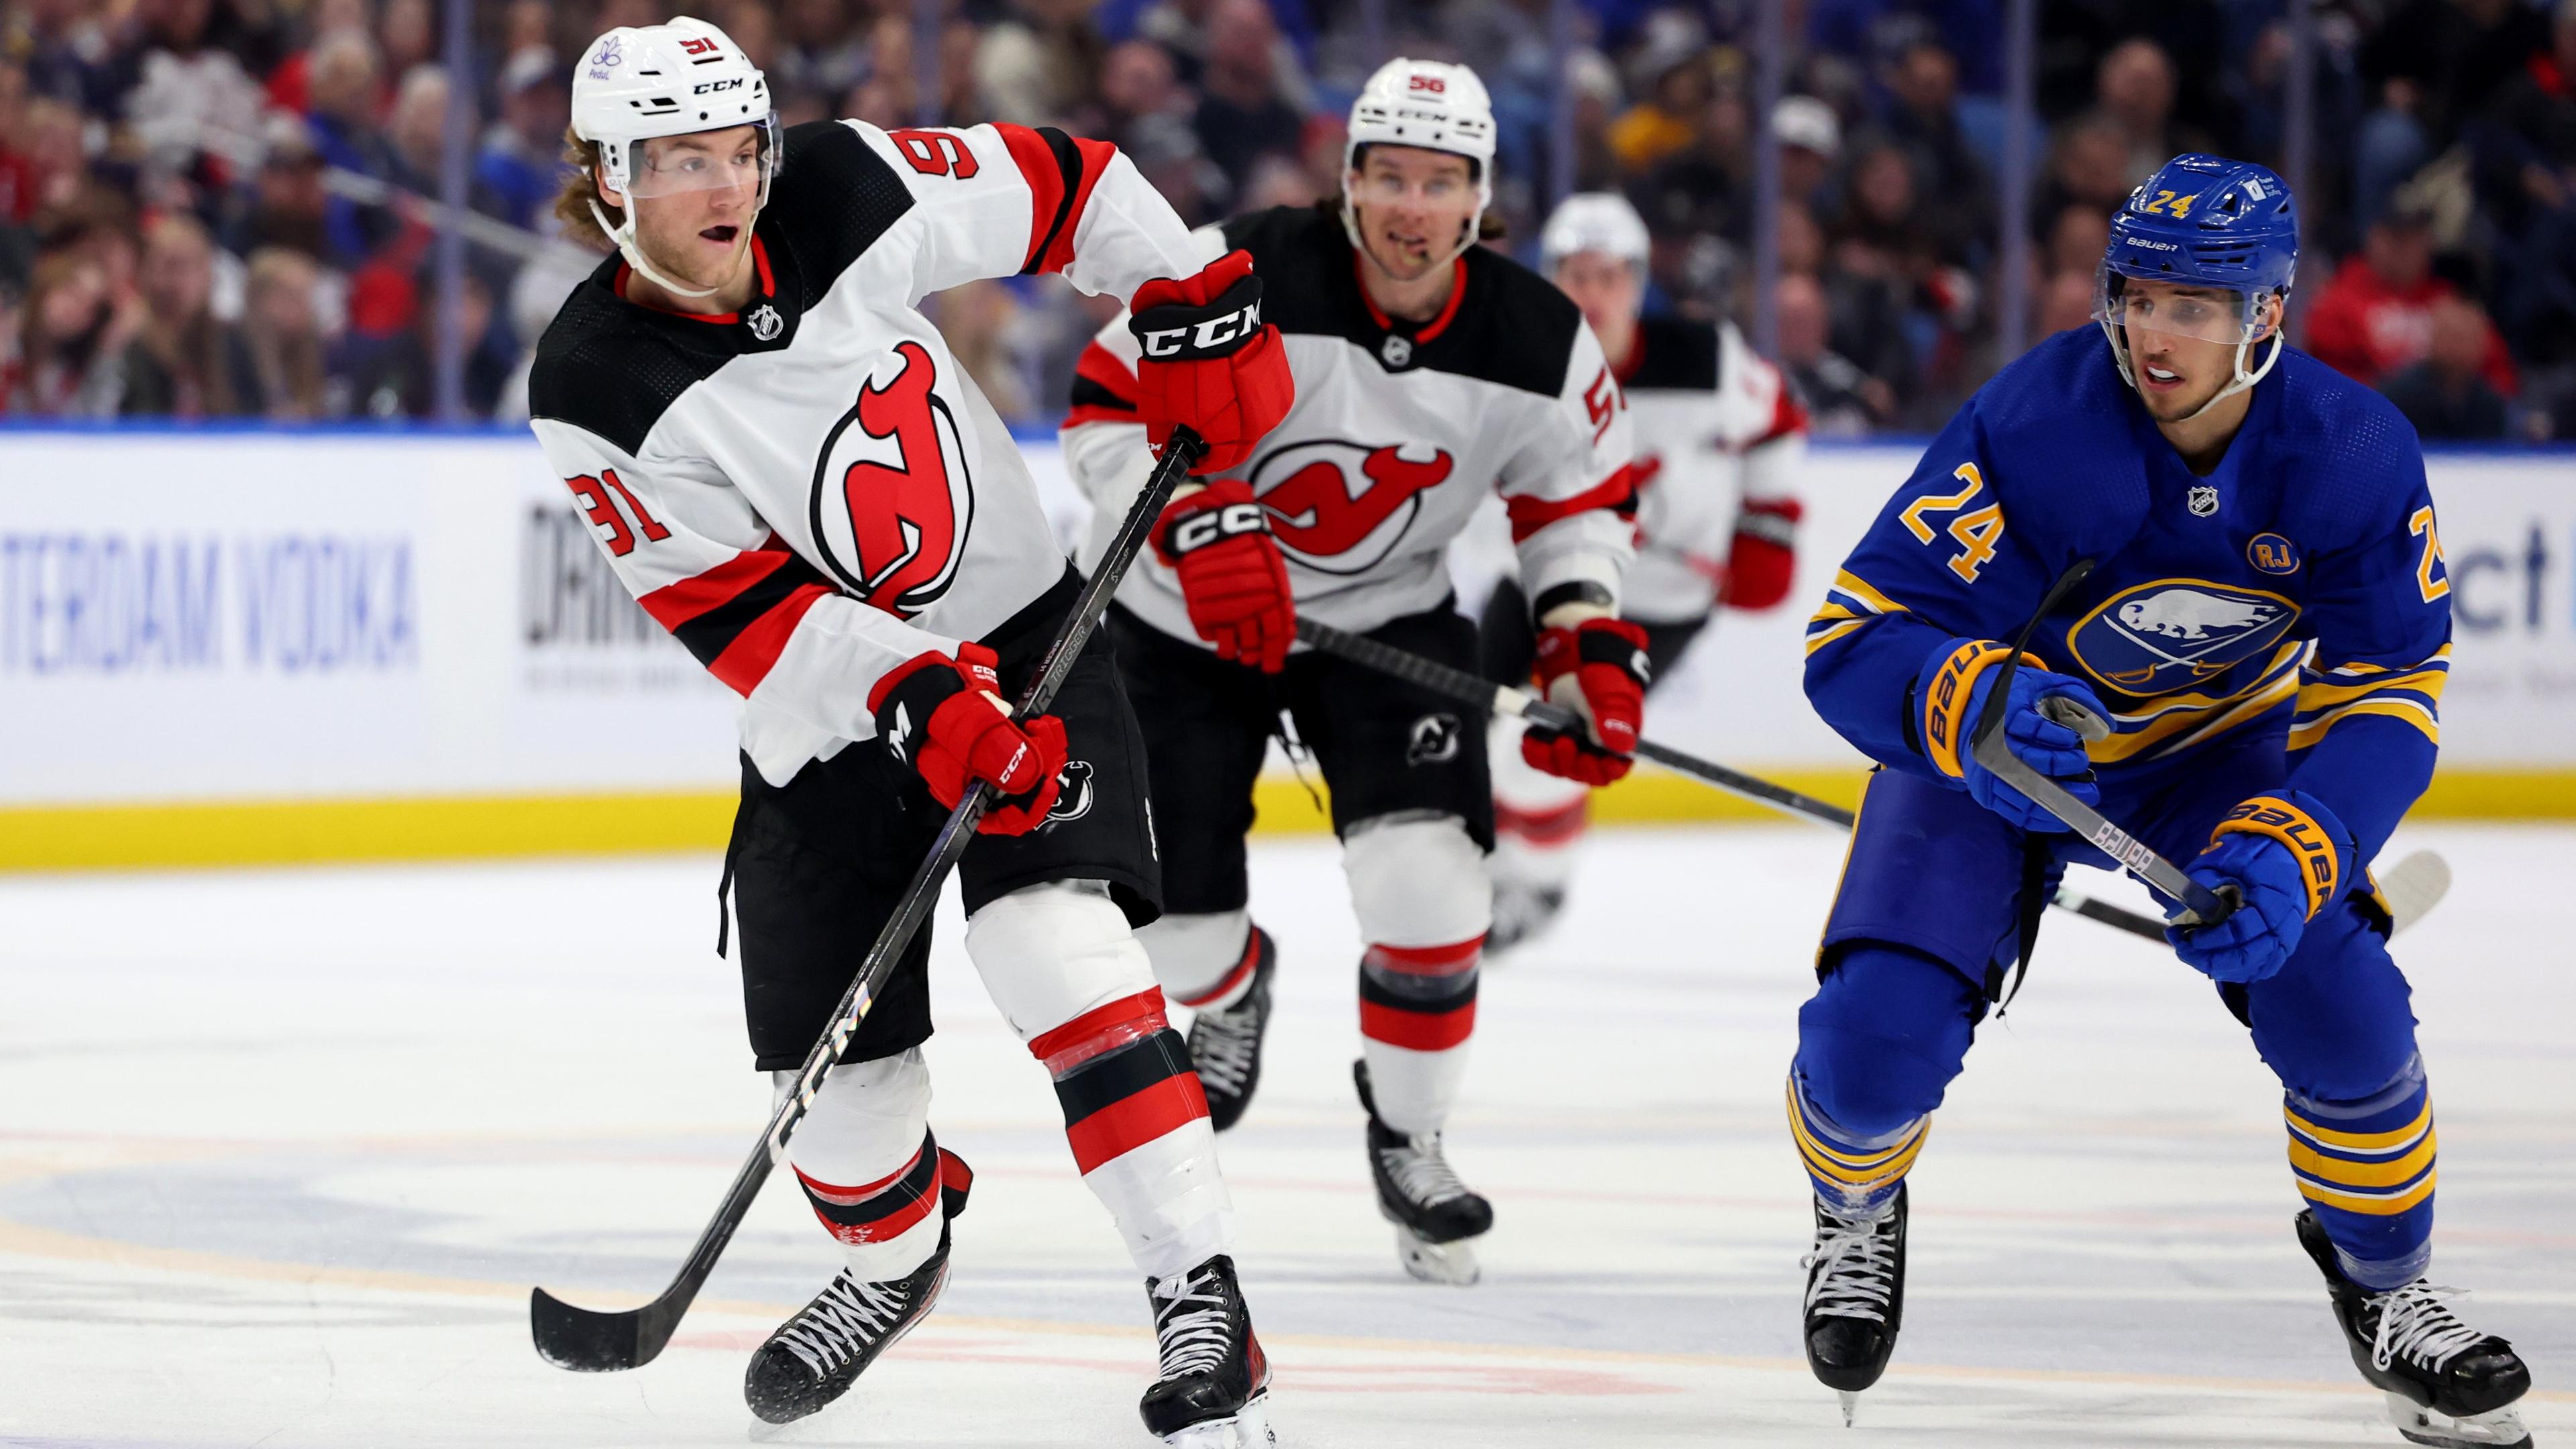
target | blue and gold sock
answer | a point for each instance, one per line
(1855, 1174)
(2367, 1169)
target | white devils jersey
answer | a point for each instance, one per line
(1398, 432)
(812, 492)
(1716, 429)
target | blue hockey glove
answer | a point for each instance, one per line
(1952, 691)
(2287, 856)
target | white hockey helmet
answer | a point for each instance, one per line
(1430, 104)
(642, 82)
(1594, 221)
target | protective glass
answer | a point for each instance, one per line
(703, 161)
(2211, 314)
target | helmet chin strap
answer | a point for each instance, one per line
(623, 234)
(2241, 381)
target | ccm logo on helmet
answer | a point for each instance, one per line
(1211, 337)
(1200, 529)
(710, 87)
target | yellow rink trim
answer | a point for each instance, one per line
(457, 827)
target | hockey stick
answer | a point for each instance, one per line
(588, 1341)
(1502, 699)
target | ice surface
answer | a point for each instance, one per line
(282, 1152)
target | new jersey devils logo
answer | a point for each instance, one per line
(1340, 507)
(908, 512)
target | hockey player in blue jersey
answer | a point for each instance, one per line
(2266, 629)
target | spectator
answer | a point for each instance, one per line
(2066, 302)
(187, 93)
(2135, 87)
(283, 326)
(290, 85)
(283, 205)
(523, 166)
(978, 320)
(823, 53)
(1705, 188)
(1242, 116)
(2525, 151)
(1841, 400)
(2447, 395)
(1958, 201)
(407, 35)
(1677, 97)
(2088, 167)
(71, 343)
(2077, 240)
(2375, 315)
(400, 378)
(63, 44)
(45, 158)
(1811, 142)
(1136, 81)
(2428, 66)
(183, 362)
(1040, 62)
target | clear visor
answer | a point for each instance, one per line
(737, 156)
(2211, 314)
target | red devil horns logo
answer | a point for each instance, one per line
(908, 520)
(1314, 512)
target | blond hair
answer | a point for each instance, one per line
(573, 203)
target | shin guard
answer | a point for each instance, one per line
(1138, 1125)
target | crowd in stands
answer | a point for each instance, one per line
(215, 208)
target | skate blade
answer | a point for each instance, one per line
(2495, 1429)
(1851, 1405)
(1451, 1263)
(1248, 1429)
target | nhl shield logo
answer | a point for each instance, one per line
(2202, 502)
(1397, 351)
(2174, 633)
(765, 323)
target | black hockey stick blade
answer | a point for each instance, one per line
(591, 1342)
(585, 1341)
(1500, 699)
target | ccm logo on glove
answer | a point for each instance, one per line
(1198, 530)
(1172, 333)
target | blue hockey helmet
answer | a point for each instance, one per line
(2226, 230)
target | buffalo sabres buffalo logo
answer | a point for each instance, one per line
(1073, 794)
(1434, 740)
(891, 499)
(1340, 507)
(2176, 632)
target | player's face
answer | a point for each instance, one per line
(1412, 206)
(2181, 343)
(695, 197)
(1609, 291)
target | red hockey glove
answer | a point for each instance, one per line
(1209, 362)
(1232, 576)
(1597, 668)
(1763, 558)
(945, 717)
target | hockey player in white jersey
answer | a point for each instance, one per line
(1431, 372)
(791, 472)
(1719, 443)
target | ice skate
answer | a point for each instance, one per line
(1855, 1297)
(1436, 1218)
(1522, 912)
(815, 1356)
(2447, 1384)
(1226, 1042)
(1213, 1390)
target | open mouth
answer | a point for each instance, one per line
(2160, 377)
(722, 235)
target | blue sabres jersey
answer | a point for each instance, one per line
(2297, 591)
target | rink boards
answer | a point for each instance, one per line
(253, 646)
